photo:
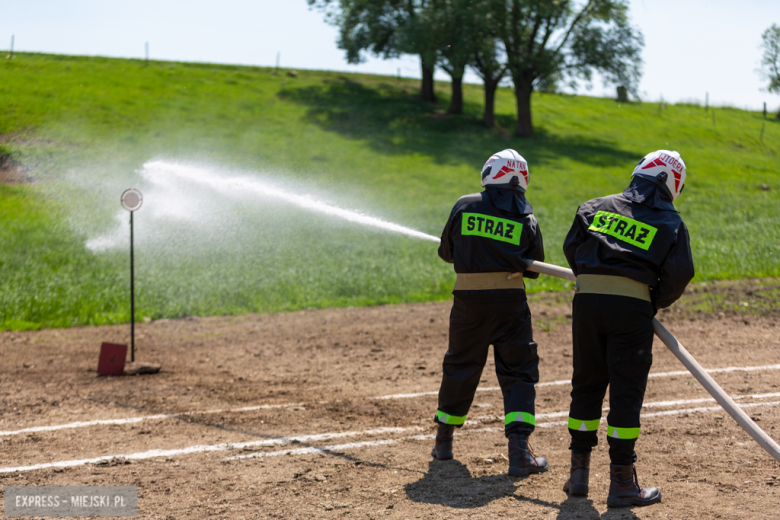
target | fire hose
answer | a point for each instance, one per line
(709, 384)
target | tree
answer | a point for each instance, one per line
(466, 30)
(770, 61)
(452, 34)
(454, 23)
(487, 63)
(545, 40)
(418, 34)
(487, 57)
(387, 28)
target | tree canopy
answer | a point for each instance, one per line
(387, 28)
(538, 42)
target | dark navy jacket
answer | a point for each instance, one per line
(636, 234)
(492, 232)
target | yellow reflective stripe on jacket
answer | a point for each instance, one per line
(480, 225)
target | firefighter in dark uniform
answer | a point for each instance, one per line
(487, 237)
(632, 256)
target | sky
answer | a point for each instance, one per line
(693, 48)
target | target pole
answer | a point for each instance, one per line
(693, 366)
(132, 293)
(131, 201)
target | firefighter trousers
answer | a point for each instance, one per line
(613, 340)
(477, 320)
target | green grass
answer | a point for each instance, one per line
(84, 126)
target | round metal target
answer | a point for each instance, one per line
(132, 199)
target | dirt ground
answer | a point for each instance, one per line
(308, 415)
(11, 172)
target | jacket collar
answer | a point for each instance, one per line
(643, 191)
(509, 199)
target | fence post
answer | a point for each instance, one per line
(622, 94)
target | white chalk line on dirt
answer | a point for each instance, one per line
(317, 437)
(243, 409)
(345, 447)
(672, 412)
(568, 381)
(341, 447)
(384, 442)
(654, 404)
(132, 420)
(205, 448)
(661, 404)
(84, 424)
(313, 449)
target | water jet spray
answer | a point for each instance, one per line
(240, 185)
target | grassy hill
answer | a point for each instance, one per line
(84, 127)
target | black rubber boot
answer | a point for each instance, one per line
(442, 448)
(522, 461)
(577, 484)
(624, 490)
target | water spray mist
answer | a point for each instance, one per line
(239, 185)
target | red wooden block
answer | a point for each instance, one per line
(112, 359)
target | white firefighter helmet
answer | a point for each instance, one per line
(665, 168)
(506, 167)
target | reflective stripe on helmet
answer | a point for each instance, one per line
(519, 417)
(584, 426)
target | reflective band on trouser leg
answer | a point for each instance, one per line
(450, 419)
(584, 426)
(519, 417)
(622, 433)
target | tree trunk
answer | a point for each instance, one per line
(427, 93)
(456, 103)
(488, 118)
(523, 91)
